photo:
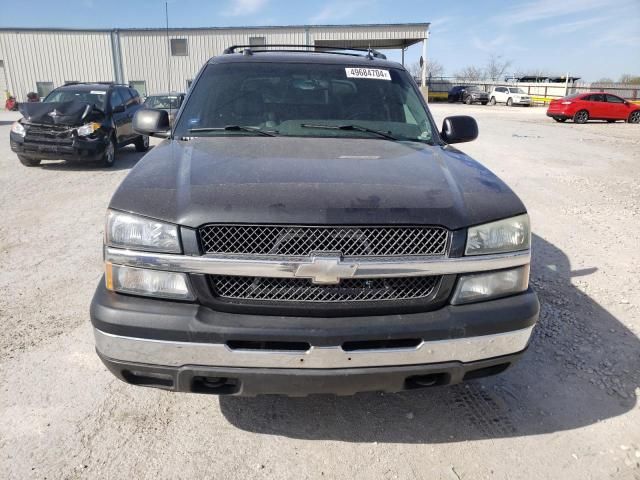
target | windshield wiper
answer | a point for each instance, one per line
(232, 128)
(357, 128)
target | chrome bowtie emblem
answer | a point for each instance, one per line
(326, 270)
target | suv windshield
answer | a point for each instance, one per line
(162, 101)
(95, 97)
(302, 99)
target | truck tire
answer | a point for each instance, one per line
(142, 143)
(492, 101)
(468, 101)
(29, 162)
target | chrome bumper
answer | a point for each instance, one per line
(178, 354)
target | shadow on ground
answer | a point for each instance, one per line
(582, 366)
(126, 159)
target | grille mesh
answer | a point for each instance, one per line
(303, 241)
(49, 134)
(302, 290)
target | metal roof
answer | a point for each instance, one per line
(424, 25)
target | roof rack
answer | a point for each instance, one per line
(97, 83)
(362, 52)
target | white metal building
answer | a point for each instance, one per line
(34, 59)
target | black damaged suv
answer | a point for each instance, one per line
(78, 122)
(305, 228)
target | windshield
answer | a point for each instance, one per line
(163, 101)
(516, 90)
(95, 97)
(299, 99)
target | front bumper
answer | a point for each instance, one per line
(301, 382)
(79, 149)
(176, 345)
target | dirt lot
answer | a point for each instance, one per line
(568, 410)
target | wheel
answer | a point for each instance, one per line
(109, 155)
(142, 143)
(29, 162)
(581, 117)
(634, 117)
(560, 119)
(509, 102)
(468, 101)
(483, 103)
(492, 101)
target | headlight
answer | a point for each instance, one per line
(152, 283)
(140, 233)
(88, 129)
(509, 235)
(18, 129)
(485, 286)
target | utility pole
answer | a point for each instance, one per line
(425, 88)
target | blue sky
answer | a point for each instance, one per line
(588, 38)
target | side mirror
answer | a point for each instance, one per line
(150, 121)
(118, 109)
(459, 129)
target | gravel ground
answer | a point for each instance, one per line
(569, 409)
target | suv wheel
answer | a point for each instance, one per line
(109, 155)
(142, 143)
(492, 101)
(581, 117)
(29, 162)
(509, 102)
(468, 101)
(634, 117)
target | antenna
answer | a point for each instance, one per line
(166, 14)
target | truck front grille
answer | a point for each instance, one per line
(302, 290)
(302, 241)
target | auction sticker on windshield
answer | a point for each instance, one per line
(374, 73)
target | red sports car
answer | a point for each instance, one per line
(593, 106)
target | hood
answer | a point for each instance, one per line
(58, 113)
(247, 179)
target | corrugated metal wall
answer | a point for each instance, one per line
(34, 56)
(144, 53)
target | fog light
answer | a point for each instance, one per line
(484, 286)
(151, 283)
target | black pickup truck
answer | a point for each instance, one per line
(82, 122)
(305, 228)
